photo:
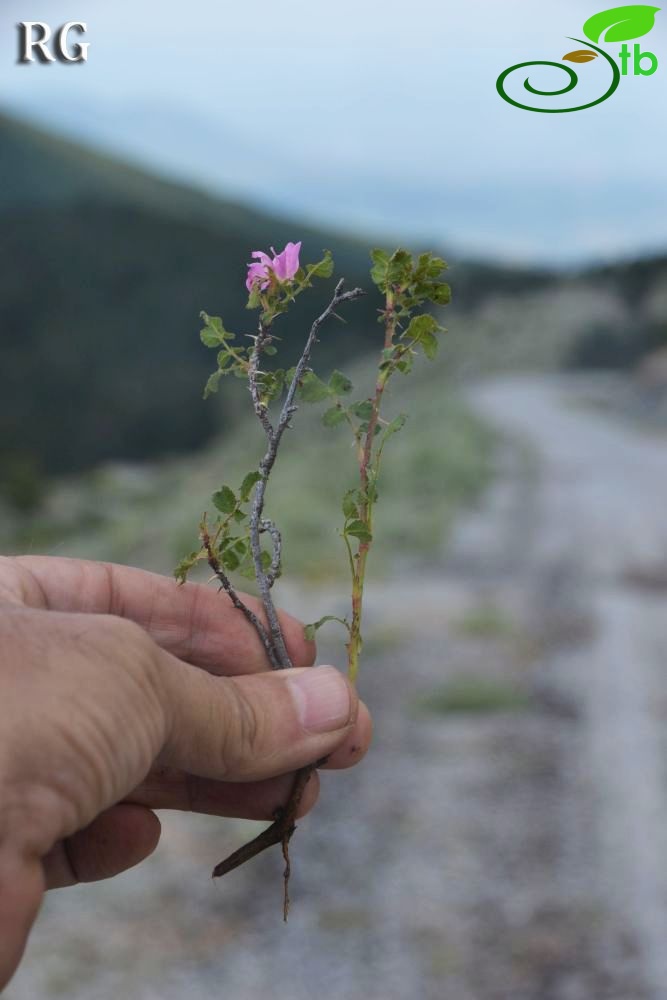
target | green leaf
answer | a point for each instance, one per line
(213, 333)
(241, 546)
(248, 483)
(333, 417)
(270, 350)
(310, 631)
(224, 358)
(271, 385)
(371, 494)
(440, 294)
(225, 500)
(429, 342)
(359, 530)
(363, 410)
(405, 366)
(209, 337)
(185, 565)
(422, 330)
(213, 384)
(350, 504)
(420, 326)
(230, 560)
(429, 266)
(255, 298)
(620, 24)
(396, 425)
(323, 269)
(380, 260)
(339, 384)
(399, 270)
(313, 389)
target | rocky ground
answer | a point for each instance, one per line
(505, 837)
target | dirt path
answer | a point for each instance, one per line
(500, 855)
(602, 499)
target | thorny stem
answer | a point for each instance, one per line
(367, 477)
(274, 437)
(284, 825)
(225, 584)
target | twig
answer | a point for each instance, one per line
(276, 559)
(280, 832)
(366, 510)
(274, 437)
(226, 585)
(284, 825)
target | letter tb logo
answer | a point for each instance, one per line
(35, 36)
(618, 24)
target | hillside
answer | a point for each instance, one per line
(103, 272)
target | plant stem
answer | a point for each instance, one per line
(284, 825)
(367, 476)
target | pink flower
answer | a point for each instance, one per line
(284, 266)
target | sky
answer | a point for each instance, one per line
(379, 116)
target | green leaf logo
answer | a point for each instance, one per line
(621, 23)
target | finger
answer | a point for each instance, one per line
(355, 745)
(254, 727)
(193, 622)
(168, 788)
(21, 892)
(117, 840)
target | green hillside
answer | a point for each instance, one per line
(103, 272)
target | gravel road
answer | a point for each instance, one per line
(495, 855)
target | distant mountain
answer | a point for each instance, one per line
(103, 272)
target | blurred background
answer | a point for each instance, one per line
(506, 835)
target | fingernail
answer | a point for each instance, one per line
(322, 699)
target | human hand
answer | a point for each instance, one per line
(121, 693)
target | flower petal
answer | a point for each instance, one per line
(292, 251)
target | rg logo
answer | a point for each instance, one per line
(34, 38)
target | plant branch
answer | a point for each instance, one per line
(284, 825)
(366, 508)
(280, 832)
(274, 437)
(226, 585)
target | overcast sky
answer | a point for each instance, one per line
(376, 114)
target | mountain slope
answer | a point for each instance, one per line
(103, 272)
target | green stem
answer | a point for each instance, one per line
(367, 478)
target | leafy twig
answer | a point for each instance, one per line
(273, 285)
(281, 831)
(274, 436)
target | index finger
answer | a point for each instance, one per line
(192, 621)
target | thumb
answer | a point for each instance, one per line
(256, 726)
(21, 892)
